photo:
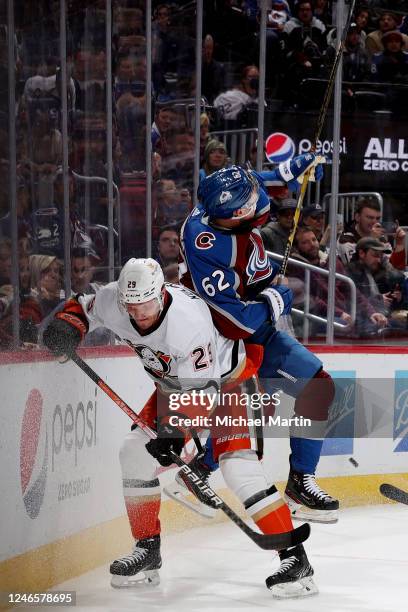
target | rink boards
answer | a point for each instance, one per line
(62, 509)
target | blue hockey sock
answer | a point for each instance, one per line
(305, 454)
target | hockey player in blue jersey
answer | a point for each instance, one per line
(224, 260)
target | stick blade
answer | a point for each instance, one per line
(279, 541)
(394, 493)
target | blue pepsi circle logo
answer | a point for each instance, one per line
(279, 147)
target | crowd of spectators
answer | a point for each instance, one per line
(300, 45)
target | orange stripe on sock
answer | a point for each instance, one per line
(276, 521)
(143, 516)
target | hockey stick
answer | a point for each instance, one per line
(394, 493)
(319, 126)
(274, 541)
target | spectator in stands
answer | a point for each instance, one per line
(367, 223)
(275, 234)
(178, 165)
(82, 271)
(165, 46)
(130, 28)
(168, 247)
(356, 64)
(125, 68)
(391, 65)
(204, 134)
(46, 282)
(45, 152)
(322, 11)
(232, 102)
(277, 15)
(305, 43)
(29, 310)
(215, 158)
(313, 217)
(362, 17)
(387, 22)
(307, 249)
(171, 209)
(164, 122)
(213, 73)
(364, 265)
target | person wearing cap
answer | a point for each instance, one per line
(356, 62)
(391, 65)
(366, 263)
(313, 217)
(275, 234)
(215, 158)
(387, 22)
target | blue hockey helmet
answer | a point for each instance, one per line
(228, 190)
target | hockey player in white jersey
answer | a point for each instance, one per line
(171, 330)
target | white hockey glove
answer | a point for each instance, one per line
(279, 299)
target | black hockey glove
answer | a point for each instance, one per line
(169, 439)
(63, 334)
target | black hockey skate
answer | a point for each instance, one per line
(180, 489)
(293, 578)
(307, 501)
(140, 567)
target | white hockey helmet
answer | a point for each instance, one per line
(140, 280)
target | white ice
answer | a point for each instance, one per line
(361, 565)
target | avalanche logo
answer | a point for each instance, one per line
(400, 430)
(204, 240)
(258, 267)
(33, 454)
(279, 147)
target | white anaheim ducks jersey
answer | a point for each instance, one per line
(183, 350)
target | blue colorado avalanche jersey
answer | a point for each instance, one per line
(229, 268)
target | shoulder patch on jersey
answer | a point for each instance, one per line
(259, 266)
(204, 240)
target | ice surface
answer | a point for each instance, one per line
(361, 564)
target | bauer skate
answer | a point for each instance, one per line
(293, 578)
(307, 501)
(140, 567)
(180, 490)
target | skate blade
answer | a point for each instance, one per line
(305, 587)
(146, 578)
(302, 513)
(178, 492)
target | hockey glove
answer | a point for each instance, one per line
(292, 170)
(169, 439)
(63, 334)
(279, 299)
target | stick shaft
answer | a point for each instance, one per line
(319, 126)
